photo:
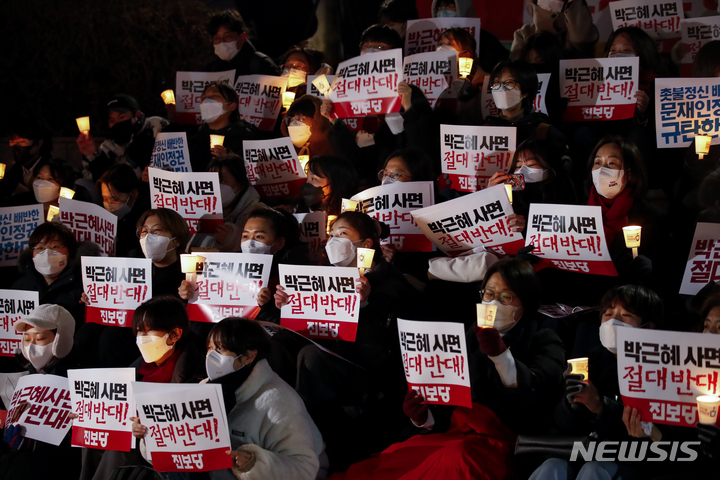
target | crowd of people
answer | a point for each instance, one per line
(344, 411)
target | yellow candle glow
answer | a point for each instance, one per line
(53, 211)
(702, 145)
(67, 192)
(708, 409)
(508, 189)
(2, 170)
(330, 220)
(348, 205)
(632, 238)
(579, 366)
(189, 262)
(304, 159)
(83, 124)
(465, 66)
(296, 77)
(486, 315)
(322, 84)
(364, 259)
(287, 99)
(168, 97)
(216, 140)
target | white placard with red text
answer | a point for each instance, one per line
(696, 32)
(431, 72)
(102, 399)
(685, 107)
(260, 99)
(470, 155)
(170, 152)
(16, 225)
(476, 220)
(487, 103)
(14, 304)
(599, 89)
(703, 264)
(45, 404)
(322, 301)
(188, 92)
(193, 195)
(367, 85)
(392, 204)
(115, 287)
(273, 167)
(569, 237)
(313, 231)
(661, 373)
(187, 426)
(227, 285)
(659, 18)
(423, 35)
(90, 223)
(436, 362)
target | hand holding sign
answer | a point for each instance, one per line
(414, 408)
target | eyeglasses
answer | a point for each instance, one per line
(506, 85)
(489, 296)
(394, 174)
(296, 66)
(39, 248)
(299, 118)
(142, 233)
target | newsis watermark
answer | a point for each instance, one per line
(635, 451)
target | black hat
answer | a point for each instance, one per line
(123, 103)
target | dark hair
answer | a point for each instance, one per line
(548, 47)
(417, 162)
(367, 227)
(32, 129)
(229, 94)
(381, 34)
(313, 57)
(162, 312)
(713, 301)
(304, 105)
(341, 176)
(240, 335)
(521, 278)
(524, 75)
(398, 10)
(643, 44)
(283, 224)
(121, 177)
(60, 170)
(542, 155)
(462, 37)
(171, 221)
(633, 165)
(636, 299)
(230, 19)
(235, 165)
(50, 231)
(707, 60)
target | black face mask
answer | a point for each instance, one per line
(312, 195)
(121, 132)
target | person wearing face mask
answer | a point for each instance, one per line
(122, 195)
(31, 142)
(329, 180)
(299, 62)
(307, 128)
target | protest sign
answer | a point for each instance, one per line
(90, 223)
(367, 85)
(392, 204)
(685, 107)
(273, 167)
(662, 372)
(431, 72)
(471, 221)
(102, 399)
(115, 287)
(599, 89)
(188, 92)
(322, 301)
(41, 404)
(195, 196)
(187, 426)
(569, 237)
(423, 35)
(703, 264)
(436, 362)
(312, 89)
(696, 32)
(659, 18)
(228, 285)
(171, 152)
(16, 225)
(470, 155)
(313, 231)
(487, 104)
(14, 304)
(260, 99)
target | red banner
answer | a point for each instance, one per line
(670, 413)
(375, 106)
(322, 329)
(585, 113)
(444, 394)
(101, 439)
(108, 316)
(280, 189)
(203, 461)
(215, 313)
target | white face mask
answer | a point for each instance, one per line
(608, 334)
(153, 348)
(295, 73)
(553, 6)
(608, 182)
(50, 264)
(38, 355)
(388, 180)
(154, 247)
(504, 316)
(340, 251)
(218, 365)
(395, 123)
(299, 133)
(210, 110)
(226, 51)
(505, 100)
(444, 48)
(532, 175)
(621, 55)
(253, 246)
(227, 194)
(45, 192)
(365, 51)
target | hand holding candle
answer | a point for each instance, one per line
(702, 145)
(708, 406)
(322, 85)
(67, 192)
(189, 265)
(83, 124)
(579, 366)
(287, 99)
(465, 66)
(53, 211)
(216, 140)
(632, 238)
(486, 315)
(364, 259)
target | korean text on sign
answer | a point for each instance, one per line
(435, 360)
(661, 373)
(192, 195)
(14, 304)
(703, 264)
(392, 205)
(228, 285)
(660, 18)
(423, 35)
(696, 32)
(115, 287)
(102, 399)
(569, 237)
(431, 72)
(273, 167)
(46, 415)
(487, 104)
(685, 108)
(170, 152)
(322, 301)
(187, 426)
(599, 89)
(16, 225)
(367, 85)
(260, 99)
(476, 220)
(188, 92)
(90, 223)
(313, 231)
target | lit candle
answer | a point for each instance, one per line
(579, 366)
(322, 84)
(83, 124)
(486, 315)
(632, 238)
(702, 145)
(216, 140)
(287, 99)
(2, 170)
(67, 192)
(189, 265)
(465, 66)
(364, 259)
(707, 406)
(53, 211)
(330, 220)
(304, 159)
(348, 205)
(168, 97)
(508, 189)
